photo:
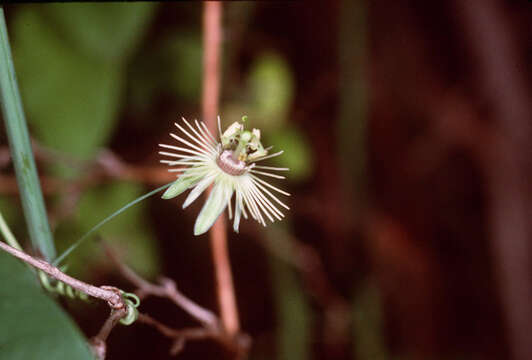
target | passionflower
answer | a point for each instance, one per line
(229, 163)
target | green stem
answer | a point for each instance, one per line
(21, 152)
(8, 235)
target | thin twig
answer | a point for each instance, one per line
(212, 30)
(238, 343)
(98, 342)
(107, 293)
(166, 289)
(180, 336)
(196, 333)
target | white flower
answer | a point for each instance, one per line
(229, 163)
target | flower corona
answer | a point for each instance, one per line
(229, 163)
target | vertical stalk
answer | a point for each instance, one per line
(212, 15)
(21, 151)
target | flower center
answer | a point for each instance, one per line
(229, 165)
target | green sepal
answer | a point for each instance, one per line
(184, 182)
(213, 207)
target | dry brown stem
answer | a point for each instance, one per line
(212, 34)
(165, 289)
(211, 326)
(107, 293)
(99, 342)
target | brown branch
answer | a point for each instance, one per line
(212, 33)
(238, 343)
(98, 343)
(190, 333)
(107, 293)
(180, 336)
(166, 289)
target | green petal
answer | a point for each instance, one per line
(213, 207)
(200, 187)
(180, 185)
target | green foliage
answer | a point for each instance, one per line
(33, 326)
(70, 60)
(21, 151)
(108, 32)
(71, 100)
(297, 152)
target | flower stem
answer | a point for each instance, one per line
(21, 151)
(211, 87)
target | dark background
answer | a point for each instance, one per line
(406, 125)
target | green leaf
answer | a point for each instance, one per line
(33, 326)
(213, 207)
(108, 32)
(71, 101)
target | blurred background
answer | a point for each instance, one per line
(406, 126)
